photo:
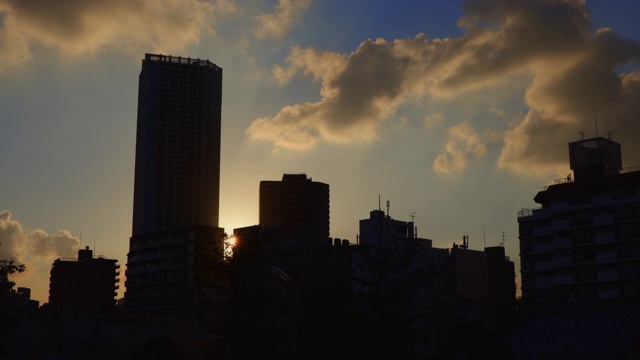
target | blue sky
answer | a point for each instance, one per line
(459, 112)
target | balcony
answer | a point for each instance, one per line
(561, 243)
(608, 294)
(152, 269)
(542, 248)
(603, 219)
(611, 275)
(544, 282)
(543, 265)
(562, 279)
(562, 261)
(541, 230)
(530, 212)
(606, 257)
(604, 238)
(558, 225)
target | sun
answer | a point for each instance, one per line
(229, 243)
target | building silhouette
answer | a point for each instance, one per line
(380, 229)
(296, 207)
(583, 244)
(177, 170)
(177, 186)
(88, 282)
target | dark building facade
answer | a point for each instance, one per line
(88, 282)
(177, 187)
(177, 171)
(583, 243)
(296, 207)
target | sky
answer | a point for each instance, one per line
(456, 112)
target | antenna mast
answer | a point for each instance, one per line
(413, 219)
(595, 118)
(484, 237)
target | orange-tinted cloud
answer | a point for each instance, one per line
(278, 23)
(463, 143)
(84, 27)
(12, 238)
(36, 249)
(571, 70)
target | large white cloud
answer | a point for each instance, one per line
(571, 69)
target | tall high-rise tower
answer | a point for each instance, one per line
(177, 179)
(176, 190)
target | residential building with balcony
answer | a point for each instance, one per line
(89, 282)
(583, 243)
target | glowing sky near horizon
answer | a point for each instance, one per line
(457, 111)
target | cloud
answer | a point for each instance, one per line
(277, 24)
(37, 249)
(463, 143)
(563, 103)
(24, 245)
(433, 119)
(570, 68)
(60, 244)
(12, 237)
(75, 28)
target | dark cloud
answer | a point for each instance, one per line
(84, 27)
(573, 69)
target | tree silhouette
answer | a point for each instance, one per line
(8, 267)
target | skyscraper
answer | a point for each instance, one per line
(176, 190)
(177, 179)
(296, 207)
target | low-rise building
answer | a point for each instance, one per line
(88, 282)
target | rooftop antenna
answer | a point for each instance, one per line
(609, 133)
(484, 237)
(595, 118)
(413, 220)
(379, 208)
(502, 242)
(581, 135)
(388, 205)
